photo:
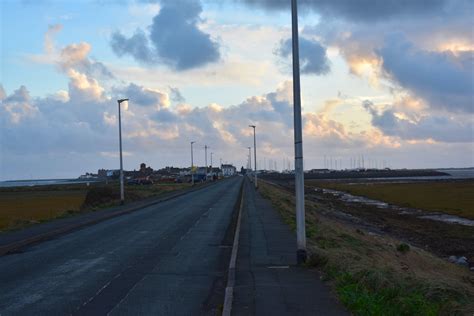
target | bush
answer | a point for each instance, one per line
(97, 196)
(403, 247)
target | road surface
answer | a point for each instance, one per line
(166, 259)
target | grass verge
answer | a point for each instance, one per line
(378, 275)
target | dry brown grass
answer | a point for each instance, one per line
(24, 206)
(374, 261)
(21, 208)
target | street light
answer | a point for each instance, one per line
(250, 159)
(192, 164)
(122, 193)
(205, 153)
(299, 172)
(212, 171)
(254, 153)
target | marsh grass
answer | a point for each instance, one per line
(25, 206)
(451, 197)
(18, 209)
(369, 275)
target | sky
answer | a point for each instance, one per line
(390, 81)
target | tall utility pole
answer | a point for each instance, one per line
(211, 160)
(299, 173)
(205, 159)
(192, 164)
(122, 192)
(254, 153)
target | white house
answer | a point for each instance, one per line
(228, 170)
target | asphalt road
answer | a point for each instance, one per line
(166, 259)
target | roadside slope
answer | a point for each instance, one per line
(375, 274)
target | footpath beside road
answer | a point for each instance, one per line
(268, 281)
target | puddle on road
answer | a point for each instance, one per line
(440, 217)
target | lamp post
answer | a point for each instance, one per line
(212, 174)
(299, 172)
(205, 159)
(192, 164)
(122, 193)
(250, 159)
(254, 153)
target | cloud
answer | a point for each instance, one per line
(76, 56)
(175, 38)
(428, 127)
(165, 116)
(313, 57)
(3, 94)
(84, 87)
(176, 95)
(430, 56)
(60, 128)
(361, 11)
(49, 45)
(137, 46)
(73, 60)
(17, 106)
(444, 79)
(142, 96)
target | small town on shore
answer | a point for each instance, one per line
(147, 175)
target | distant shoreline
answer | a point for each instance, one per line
(442, 173)
(43, 182)
(400, 174)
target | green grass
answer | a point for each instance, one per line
(451, 197)
(366, 298)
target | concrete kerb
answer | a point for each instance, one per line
(15, 246)
(229, 290)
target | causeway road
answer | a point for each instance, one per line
(170, 258)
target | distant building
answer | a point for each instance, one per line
(144, 170)
(318, 171)
(88, 176)
(113, 173)
(105, 173)
(228, 170)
